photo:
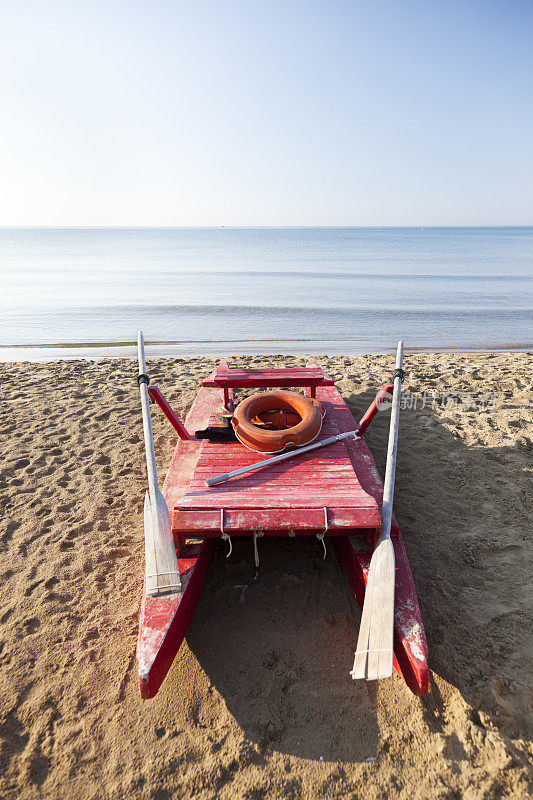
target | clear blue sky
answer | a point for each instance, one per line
(240, 112)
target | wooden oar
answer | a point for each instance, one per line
(373, 657)
(162, 574)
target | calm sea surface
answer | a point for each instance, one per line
(86, 292)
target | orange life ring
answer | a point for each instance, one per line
(257, 427)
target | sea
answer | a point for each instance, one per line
(85, 292)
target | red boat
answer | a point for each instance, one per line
(334, 492)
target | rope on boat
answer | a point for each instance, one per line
(320, 536)
(257, 534)
(225, 535)
(171, 586)
(243, 586)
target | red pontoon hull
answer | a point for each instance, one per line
(164, 620)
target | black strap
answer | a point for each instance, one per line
(225, 434)
(143, 378)
(398, 372)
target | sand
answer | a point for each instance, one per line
(259, 702)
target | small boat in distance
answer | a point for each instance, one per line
(330, 489)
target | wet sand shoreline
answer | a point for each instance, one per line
(92, 351)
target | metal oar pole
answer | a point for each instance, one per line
(275, 459)
(374, 654)
(143, 381)
(162, 573)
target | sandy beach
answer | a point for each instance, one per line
(259, 702)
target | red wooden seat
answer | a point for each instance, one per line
(226, 378)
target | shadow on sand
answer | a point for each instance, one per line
(281, 659)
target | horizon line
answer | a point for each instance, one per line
(251, 227)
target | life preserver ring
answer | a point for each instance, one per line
(258, 420)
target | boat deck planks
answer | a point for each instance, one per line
(310, 483)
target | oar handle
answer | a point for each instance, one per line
(140, 353)
(147, 422)
(218, 479)
(390, 469)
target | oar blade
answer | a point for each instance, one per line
(374, 654)
(361, 654)
(162, 573)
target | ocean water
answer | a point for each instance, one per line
(85, 292)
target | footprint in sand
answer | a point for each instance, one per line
(32, 625)
(4, 618)
(31, 588)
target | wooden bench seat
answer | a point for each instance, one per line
(226, 378)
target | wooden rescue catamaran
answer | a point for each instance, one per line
(217, 487)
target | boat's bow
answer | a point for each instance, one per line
(164, 620)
